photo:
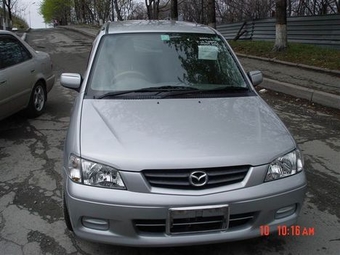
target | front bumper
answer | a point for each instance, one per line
(115, 216)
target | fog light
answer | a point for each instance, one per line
(285, 211)
(93, 223)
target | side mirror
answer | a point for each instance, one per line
(255, 77)
(71, 81)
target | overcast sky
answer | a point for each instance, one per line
(31, 12)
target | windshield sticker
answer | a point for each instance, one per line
(165, 37)
(207, 52)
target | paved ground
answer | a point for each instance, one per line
(315, 86)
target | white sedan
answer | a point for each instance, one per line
(26, 77)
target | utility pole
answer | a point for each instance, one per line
(29, 13)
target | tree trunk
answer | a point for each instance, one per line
(119, 15)
(202, 12)
(281, 42)
(211, 14)
(152, 7)
(149, 8)
(4, 14)
(83, 12)
(174, 10)
(112, 10)
(9, 9)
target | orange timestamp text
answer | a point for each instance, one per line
(283, 230)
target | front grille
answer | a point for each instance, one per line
(199, 224)
(150, 226)
(179, 178)
(239, 220)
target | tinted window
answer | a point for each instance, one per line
(133, 61)
(12, 52)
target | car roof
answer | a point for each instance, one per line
(6, 32)
(144, 26)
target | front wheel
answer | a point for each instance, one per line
(37, 100)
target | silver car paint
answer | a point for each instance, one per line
(171, 133)
(122, 207)
(16, 91)
(135, 134)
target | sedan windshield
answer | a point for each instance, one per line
(145, 62)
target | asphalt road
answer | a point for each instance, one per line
(31, 220)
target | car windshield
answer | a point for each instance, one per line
(142, 61)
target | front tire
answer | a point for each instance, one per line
(37, 102)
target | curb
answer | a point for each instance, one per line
(81, 31)
(312, 68)
(315, 96)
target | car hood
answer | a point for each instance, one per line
(182, 133)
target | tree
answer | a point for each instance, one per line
(118, 10)
(243, 10)
(138, 11)
(211, 13)
(103, 9)
(314, 7)
(124, 8)
(174, 10)
(56, 10)
(9, 5)
(194, 11)
(281, 42)
(152, 7)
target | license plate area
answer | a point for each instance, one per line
(197, 219)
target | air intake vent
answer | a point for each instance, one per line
(194, 224)
(184, 179)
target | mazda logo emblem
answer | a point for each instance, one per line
(198, 178)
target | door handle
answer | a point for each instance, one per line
(33, 70)
(3, 82)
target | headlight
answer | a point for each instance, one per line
(284, 166)
(94, 174)
(74, 169)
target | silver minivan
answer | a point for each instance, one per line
(169, 144)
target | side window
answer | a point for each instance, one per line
(12, 52)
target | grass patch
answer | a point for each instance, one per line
(296, 53)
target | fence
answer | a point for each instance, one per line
(320, 30)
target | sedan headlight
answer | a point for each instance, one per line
(94, 174)
(284, 166)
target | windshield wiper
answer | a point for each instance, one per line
(225, 89)
(148, 89)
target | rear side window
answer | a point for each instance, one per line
(12, 52)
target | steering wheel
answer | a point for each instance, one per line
(129, 73)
